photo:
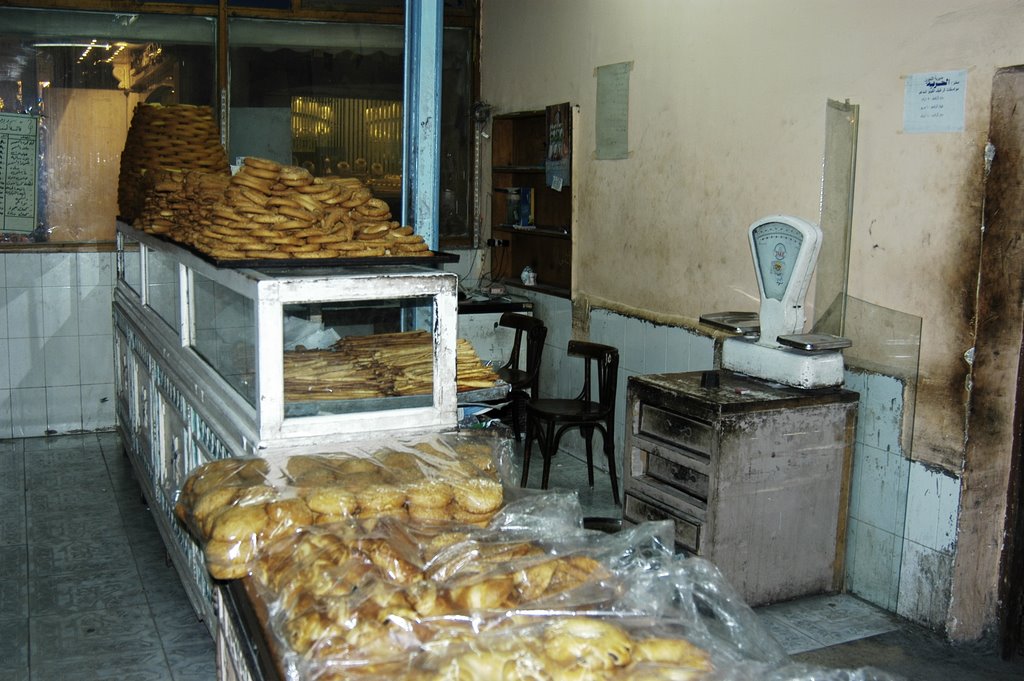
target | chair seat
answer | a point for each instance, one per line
(517, 378)
(565, 410)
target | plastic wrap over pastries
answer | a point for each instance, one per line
(233, 506)
(530, 597)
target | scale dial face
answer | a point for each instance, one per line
(776, 249)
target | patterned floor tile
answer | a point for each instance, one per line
(87, 553)
(13, 645)
(13, 598)
(93, 634)
(12, 519)
(79, 592)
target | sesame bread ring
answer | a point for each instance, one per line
(262, 173)
(374, 208)
(291, 224)
(371, 230)
(293, 173)
(281, 201)
(261, 163)
(313, 255)
(257, 183)
(405, 230)
(267, 255)
(301, 248)
(269, 219)
(297, 213)
(316, 186)
(259, 198)
(358, 198)
(478, 495)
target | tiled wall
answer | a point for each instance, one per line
(56, 343)
(903, 514)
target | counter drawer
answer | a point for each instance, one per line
(676, 430)
(687, 530)
(683, 478)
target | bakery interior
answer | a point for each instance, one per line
(597, 165)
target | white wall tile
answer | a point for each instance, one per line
(6, 429)
(64, 408)
(24, 312)
(878, 489)
(95, 310)
(96, 269)
(933, 499)
(60, 311)
(926, 578)
(3, 271)
(3, 311)
(98, 406)
(61, 362)
(28, 412)
(96, 355)
(702, 353)
(27, 366)
(631, 351)
(677, 349)
(655, 349)
(23, 269)
(59, 269)
(874, 573)
(5, 364)
(881, 413)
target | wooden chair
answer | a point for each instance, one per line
(548, 419)
(524, 379)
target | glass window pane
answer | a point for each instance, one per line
(350, 357)
(328, 97)
(131, 271)
(78, 76)
(162, 287)
(225, 334)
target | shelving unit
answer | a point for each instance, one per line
(518, 153)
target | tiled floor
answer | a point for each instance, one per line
(86, 593)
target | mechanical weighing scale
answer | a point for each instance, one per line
(785, 251)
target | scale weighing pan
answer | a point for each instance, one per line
(746, 323)
(814, 342)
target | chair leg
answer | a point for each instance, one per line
(515, 408)
(549, 447)
(609, 452)
(588, 438)
(531, 434)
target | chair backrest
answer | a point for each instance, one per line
(536, 332)
(606, 359)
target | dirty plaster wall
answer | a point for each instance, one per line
(726, 124)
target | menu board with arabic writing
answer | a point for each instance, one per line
(18, 172)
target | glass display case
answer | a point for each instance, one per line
(291, 356)
(217, 362)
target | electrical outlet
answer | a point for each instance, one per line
(497, 242)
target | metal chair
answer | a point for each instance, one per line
(523, 379)
(548, 419)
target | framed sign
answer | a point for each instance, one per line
(19, 165)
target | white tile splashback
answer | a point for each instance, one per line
(56, 343)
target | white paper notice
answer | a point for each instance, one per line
(934, 102)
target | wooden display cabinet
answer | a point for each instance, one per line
(544, 243)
